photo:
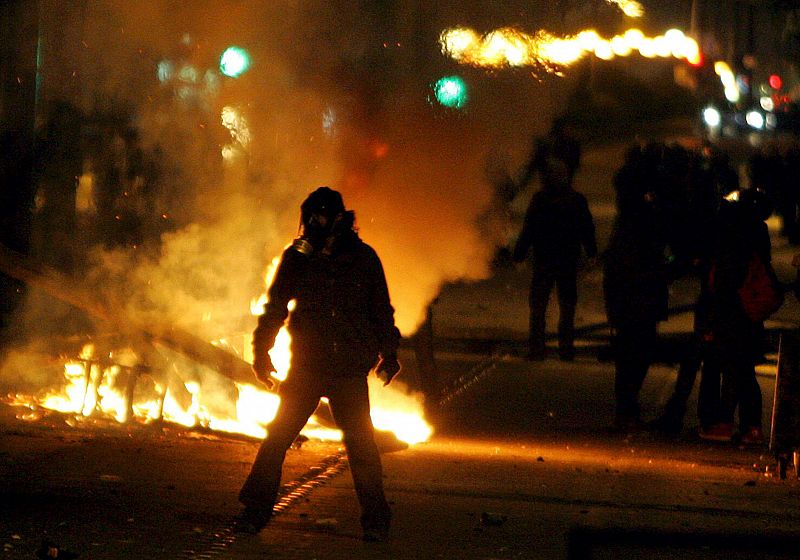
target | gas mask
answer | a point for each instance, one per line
(321, 219)
(316, 230)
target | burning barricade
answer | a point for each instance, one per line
(158, 373)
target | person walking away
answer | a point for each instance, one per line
(341, 327)
(557, 225)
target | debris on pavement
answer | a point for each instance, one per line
(327, 523)
(489, 519)
(49, 550)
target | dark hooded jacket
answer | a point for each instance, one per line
(343, 320)
(557, 224)
(635, 273)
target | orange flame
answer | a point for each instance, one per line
(91, 387)
(393, 409)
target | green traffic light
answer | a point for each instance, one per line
(451, 91)
(234, 62)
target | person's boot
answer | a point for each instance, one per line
(376, 528)
(666, 424)
(251, 520)
(566, 354)
(671, 420)
(722, 431)
(752, 436)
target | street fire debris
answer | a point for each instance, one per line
(140, 374)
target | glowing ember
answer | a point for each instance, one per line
(508, 47)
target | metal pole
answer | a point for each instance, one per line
(693, 20)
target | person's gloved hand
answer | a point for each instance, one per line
(387, 369)
(262, 367)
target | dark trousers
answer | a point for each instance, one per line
(736, 347)
(349, 402)
(739, 386)
(634, 347)
(787, 208)
(698, 358)
(563, 277)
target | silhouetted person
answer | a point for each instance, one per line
(635, 281)
(559, 141)
(765, 170)
(697, 357)
(341, 326)
(737, 339)
(709, 178)
(789, 197)
(557, 225)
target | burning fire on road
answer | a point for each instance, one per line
(162, 385)
(92, 388)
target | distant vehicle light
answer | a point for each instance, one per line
(165, 70)
(755, 119)
(767, 103)
(771, 121)
(732, 93)
(712, 117)
(743, 83)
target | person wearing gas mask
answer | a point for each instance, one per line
(342, 327)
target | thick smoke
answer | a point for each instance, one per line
(414, 180)
(335, 96)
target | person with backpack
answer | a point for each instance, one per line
(744, 292)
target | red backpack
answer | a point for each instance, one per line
(760, 293)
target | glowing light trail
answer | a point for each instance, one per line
(509, 47)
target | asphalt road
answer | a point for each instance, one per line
(521, 466)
